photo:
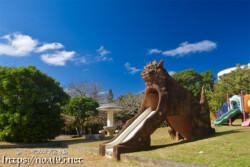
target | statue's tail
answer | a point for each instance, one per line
(203, 100)
(205, 107)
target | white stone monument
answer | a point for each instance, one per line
(110, 108)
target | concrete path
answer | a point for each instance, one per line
(140, 160)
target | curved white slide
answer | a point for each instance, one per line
(129, 132)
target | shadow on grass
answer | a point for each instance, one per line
(50, 144)
(224, 133)
(217, 134)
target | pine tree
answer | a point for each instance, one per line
(110, 96)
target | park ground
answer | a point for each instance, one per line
(230, 146)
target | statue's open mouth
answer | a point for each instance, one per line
(152, 98)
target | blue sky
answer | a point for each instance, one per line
(111, 41)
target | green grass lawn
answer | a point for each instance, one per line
(230, 146)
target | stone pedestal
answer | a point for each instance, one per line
(110, 130)
(110, 118)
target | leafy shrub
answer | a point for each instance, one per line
(30, 104)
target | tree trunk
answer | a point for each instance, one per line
(77, 131)
(80, 131)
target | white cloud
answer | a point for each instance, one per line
(85, 58)
(171, 72)
(49, 46)
(186, 48)
(100, 58)
(131, 70)
(152, 51)
(80, 60)
(59, 58)
(103, 52)
(17, 45)
(84, 70)
(103, 93)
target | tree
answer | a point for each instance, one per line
(95, 93)
(81, 108)
(30, 105)
(87, 89)
(208, 80)
(110, 96)
(193, 81)
(232, 83)
(131, 104)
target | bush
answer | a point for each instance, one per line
(30, 104)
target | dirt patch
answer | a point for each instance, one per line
(39, 155)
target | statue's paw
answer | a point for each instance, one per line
(172, 133)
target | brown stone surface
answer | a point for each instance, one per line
(188, 118)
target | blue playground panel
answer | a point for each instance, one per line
(224, 109)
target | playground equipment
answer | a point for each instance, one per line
(164, 100)
(246, 104)
(246, 123)
(236, 104)
(224, 109)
